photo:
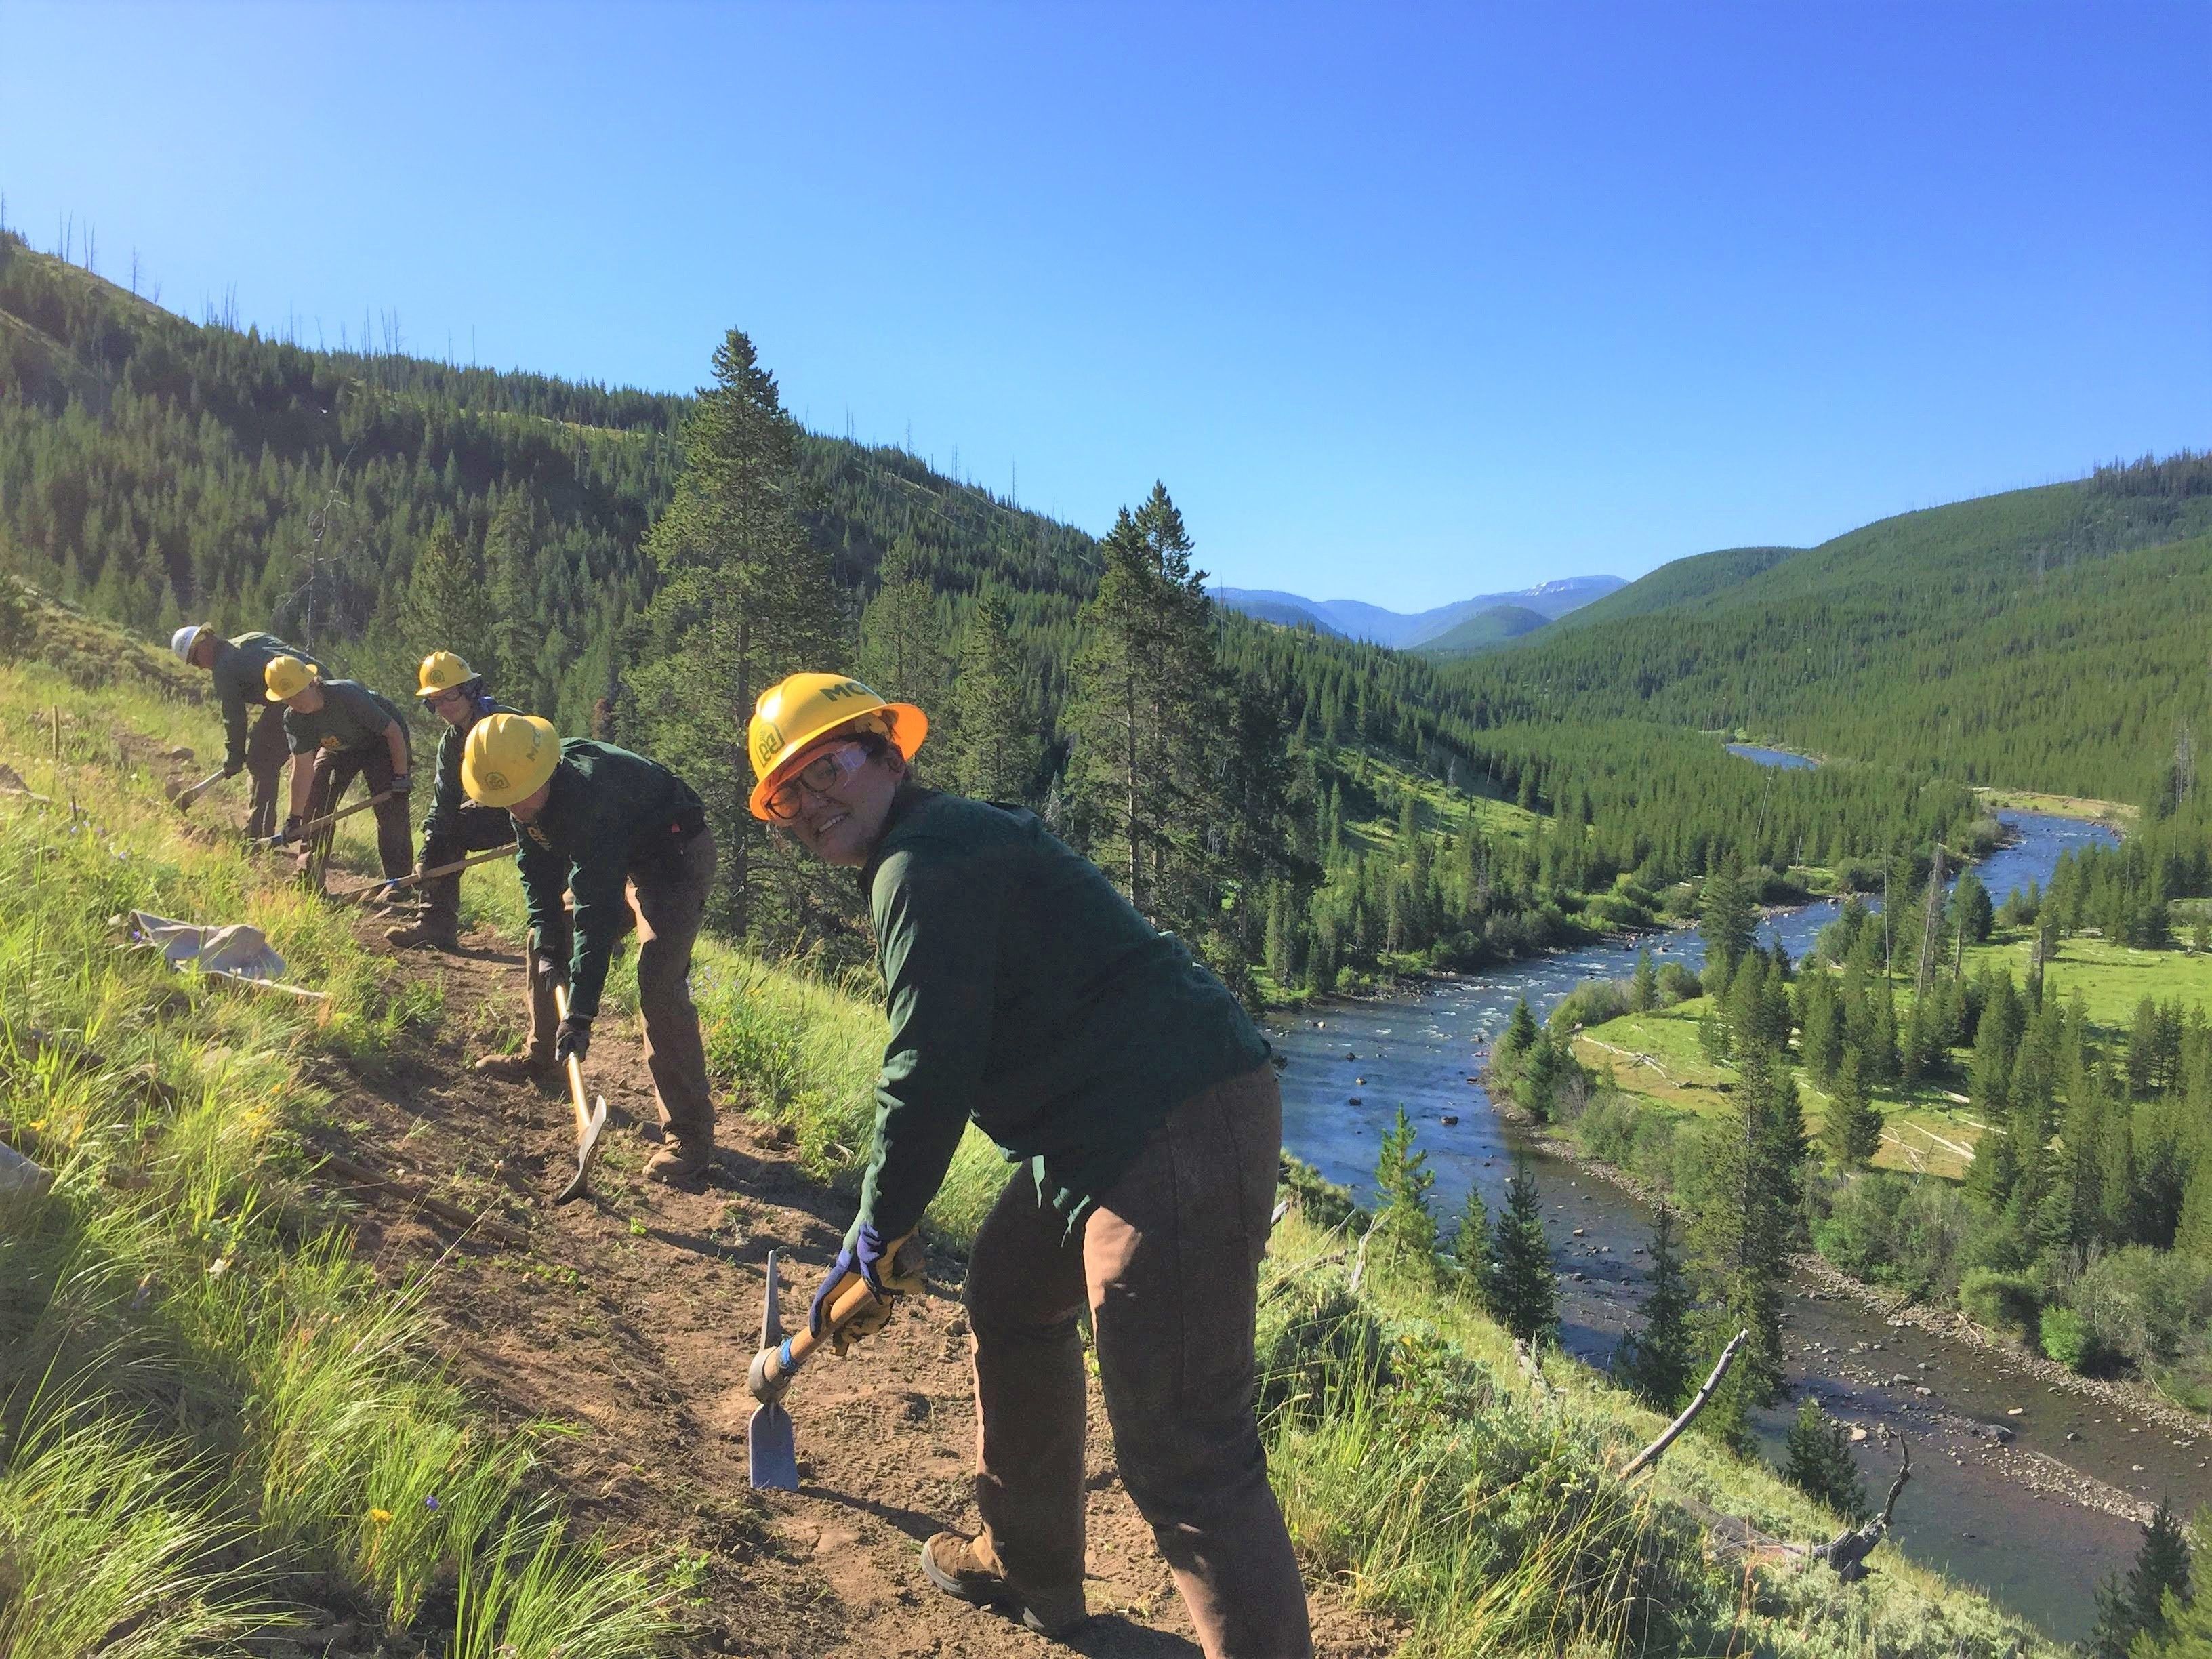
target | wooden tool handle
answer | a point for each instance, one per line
(454, 868)
(575, 1068)
(330, 819)
(772, 1367)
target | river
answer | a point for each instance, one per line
(1979, 1508)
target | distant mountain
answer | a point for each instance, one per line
(1354, 620)
(1486, 631)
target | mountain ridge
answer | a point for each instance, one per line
(1375, 624)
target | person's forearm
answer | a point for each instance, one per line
(301, 775)
(396, 735)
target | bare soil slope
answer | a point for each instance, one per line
(627, 1322)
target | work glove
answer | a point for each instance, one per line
(888, 1275)
(547, 968)
(401, 783)
(231, 769)
(289, 832)
(572, 1039)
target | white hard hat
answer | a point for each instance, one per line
(182, 640)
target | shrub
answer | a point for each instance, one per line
(1677, 983)
(2000, 1301)
(1593, 1002)
(2066, 1338)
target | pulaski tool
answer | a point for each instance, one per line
(854, 1312)
(325, 821)
(591, 1122)
(190, 792)
(398, 883)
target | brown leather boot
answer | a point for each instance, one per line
(681, 1160)
(414, 935)
(515, 1068)
(957, 1567)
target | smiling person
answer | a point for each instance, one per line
(239, 668)
(339, 730)
(629, 839)
(1027, 994)
(455, 693)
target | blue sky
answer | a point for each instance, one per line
(1402, 302)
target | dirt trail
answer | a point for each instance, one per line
(629, 1321)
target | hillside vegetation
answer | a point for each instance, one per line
(376, 505)
(2048, 639)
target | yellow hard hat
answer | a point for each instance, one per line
(441, 671)
(286, 677)
(801, 710)
(508, 758)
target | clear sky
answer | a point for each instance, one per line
(1402, 302)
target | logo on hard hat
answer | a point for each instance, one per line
(494, 779)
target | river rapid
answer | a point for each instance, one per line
(1996, 1499)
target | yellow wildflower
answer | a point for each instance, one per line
(382, 1518)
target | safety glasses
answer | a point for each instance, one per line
(818, 776)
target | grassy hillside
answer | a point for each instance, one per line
(2047, 638)
(209, 1411)
(214, 1423)
(1484, 631)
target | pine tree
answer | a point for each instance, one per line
(1817, 1460)
(1744, 1229)
(1654, 1362)
(1643, 984)
(2137, 1605)
(745, 599)
(446, 607)
(995, 740)
(901, 652)
(1728, 922)
(1471, 1272)
(519, 639)
(1403, 1225)
(1851, 1134)
(1970, 903)
(1146, 713)
(1524, 1291)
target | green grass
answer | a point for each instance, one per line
(1655, 1058)
(210, 1411)
(2111, 978)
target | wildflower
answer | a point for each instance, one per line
(431, 1504)
(382, 1518)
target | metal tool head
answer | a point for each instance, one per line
(587, 1153)
(771, 1450)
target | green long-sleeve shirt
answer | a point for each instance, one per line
(446, 798)
(239, 682)
(608, 814)
(352, 717)
(1024, 992)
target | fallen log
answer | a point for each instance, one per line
(1651, 1453)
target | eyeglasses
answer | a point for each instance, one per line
(818, 776)
(440, 699)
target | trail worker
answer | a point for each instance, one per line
(1026, 993)
(629, 839)
(339, 730)
(456, 826)
(238, 666)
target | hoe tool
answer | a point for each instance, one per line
(589, 1124)
(325, 821)
(384, 889)
(187, 796)
(853, 1312)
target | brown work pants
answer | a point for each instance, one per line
(267, 754)
(668, 901)
(474, 830)
(335, 769)
(1168, 1264)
